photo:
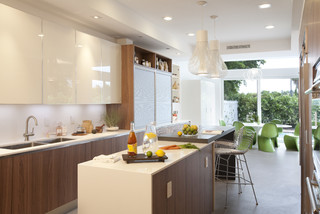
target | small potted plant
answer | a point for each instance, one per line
(111, 119)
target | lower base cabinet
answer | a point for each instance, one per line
(191, 181)
(38, 182)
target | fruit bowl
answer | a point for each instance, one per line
(190, 130)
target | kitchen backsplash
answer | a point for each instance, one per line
(13, 119)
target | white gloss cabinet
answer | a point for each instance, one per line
(20, 55)
(163, 97)
(110, 72)
(58, 64)
(88, 69)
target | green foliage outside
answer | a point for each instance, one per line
(274, 105)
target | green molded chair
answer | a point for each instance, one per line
(238, 125)
(265, 143)
(316, 138)
(276, 121)
(255, 135)
(222, 123)
(292, 141)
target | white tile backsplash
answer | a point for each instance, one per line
(13, 119)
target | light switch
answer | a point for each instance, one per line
(169, 189)
(206, 162)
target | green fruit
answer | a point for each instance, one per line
(94, 131)
(149, 154)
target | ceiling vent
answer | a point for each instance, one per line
(231, 47)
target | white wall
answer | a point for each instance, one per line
(218, 91)
(13, 119)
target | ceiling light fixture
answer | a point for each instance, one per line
(190, 34)
(96, 17)
(264, 6)
(217, 66)
(268, 27)
(199, 62)
(167, 18)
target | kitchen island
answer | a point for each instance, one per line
(182, 184)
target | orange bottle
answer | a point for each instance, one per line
(132, 141)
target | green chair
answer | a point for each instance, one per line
(276, 121)
(255, 135)
(222, 123)
(265, 143)
(316, 138)
(292, 141)
(238, 125)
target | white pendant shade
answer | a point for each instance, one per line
(216, 63)
(200, 61)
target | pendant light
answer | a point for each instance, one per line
(200, 61)
(217, 66)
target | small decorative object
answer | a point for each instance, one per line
(87, 124)
(111, 120)
(143, 62)
(190, 130)
(136, 59)
(99, 129)
(166, 67)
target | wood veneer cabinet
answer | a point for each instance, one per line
(5, 184)
(191, 186)
(38, 182)
(138, 90)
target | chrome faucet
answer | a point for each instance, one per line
(26, 135)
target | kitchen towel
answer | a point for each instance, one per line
(107, 158)
(212, 132)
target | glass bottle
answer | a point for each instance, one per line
(132, 141)
(150, 139)
(59, 129)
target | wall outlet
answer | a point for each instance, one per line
(169, 189)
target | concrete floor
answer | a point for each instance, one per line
(276, 178)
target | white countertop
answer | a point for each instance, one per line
(146, 167)
(77, 139)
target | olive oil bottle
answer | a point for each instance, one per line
(132, 141)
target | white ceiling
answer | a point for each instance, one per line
(238, 22)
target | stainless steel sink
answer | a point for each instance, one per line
(36, 143)
(54, 140)
(23, 145)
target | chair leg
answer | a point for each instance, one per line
(254, 193)
(227, 176)
(238, 171)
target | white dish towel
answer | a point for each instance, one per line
(107, 158)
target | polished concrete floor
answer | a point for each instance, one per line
(276, 178)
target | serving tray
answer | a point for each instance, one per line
(139, 158)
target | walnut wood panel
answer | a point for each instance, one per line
(101, 147)
(206, 181)
(159, 192)
(43, 181)
(5, 185)
(192, 177)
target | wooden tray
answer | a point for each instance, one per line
(78, 134)
(143, 158)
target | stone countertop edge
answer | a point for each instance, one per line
(77, 141)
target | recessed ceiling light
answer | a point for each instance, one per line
(41, 35)
(96, 17)
(269, 27)
(190, 34)
(264, 6)
(178, 53)
(167, 18)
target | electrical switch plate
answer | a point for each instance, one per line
(206, 162)
(169, 189)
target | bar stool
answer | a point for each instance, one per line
(243, 140)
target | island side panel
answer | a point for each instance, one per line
(102, 190)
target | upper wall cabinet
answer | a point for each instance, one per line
(58, 64)
(89, 83)
(111, 72)
(20, 54)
